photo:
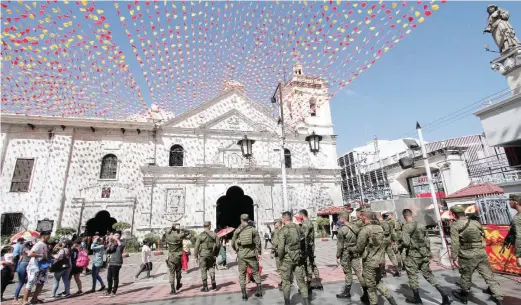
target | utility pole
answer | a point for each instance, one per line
(433, 192)
(358, 175)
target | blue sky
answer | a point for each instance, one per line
(439, 68)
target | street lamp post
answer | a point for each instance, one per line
(282, 146)
(246, 146)
(433, 192)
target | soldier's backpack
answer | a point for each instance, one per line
(246, 236)
(377, 236)
(420, 240)
(387, 228)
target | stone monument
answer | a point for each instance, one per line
(509, 61)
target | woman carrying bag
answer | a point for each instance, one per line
(60, 268)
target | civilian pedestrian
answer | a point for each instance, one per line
(115, 249)
(21, 269)
(185, 256)
(98, 248)
(7, 268)
(76, 270)
(60, 269)
(146, 259)
(37, 269)
(17, 251)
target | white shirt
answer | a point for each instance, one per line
(39, 248)
(146, 254)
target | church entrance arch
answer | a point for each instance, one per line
(230, 207)
(100, 224)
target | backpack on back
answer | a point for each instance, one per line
(83, 259)
(377, 236)
(246, 237)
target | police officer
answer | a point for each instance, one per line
(292, 254)
(418, 255)
(370, 246)
(396, 238)
(388, 232)
(174, 240)
(515, 203)
(468, 254)
(206, 249)
(308, 229)
(347, 236)
(246, 242)
(274, 241)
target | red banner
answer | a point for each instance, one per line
(505, 262)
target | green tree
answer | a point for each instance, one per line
(322, 224)
(65, 231)
(121, 226)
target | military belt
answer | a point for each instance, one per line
(471, 246)
(293, 248)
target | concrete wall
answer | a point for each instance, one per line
(501, 121)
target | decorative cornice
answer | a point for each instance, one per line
(74, 122)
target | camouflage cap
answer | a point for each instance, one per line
(245, 217)
(458, 209)
(515, 197)
(207, 224)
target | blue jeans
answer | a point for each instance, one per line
(95, 276)
(21, 270)
(64, 276)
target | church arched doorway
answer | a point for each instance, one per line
(231, 206)
(100, 224)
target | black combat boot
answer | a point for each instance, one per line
(415, 299)
(396, 272)
(487, 291)
(205, 286)
(392, 301)
(365, 296)
(346, 294)
(445, 299)
(214, 284)
(259, 291)
(498, 302)
(179, 285)
(461, 296)
(280, 286)
(287, 301)
(172, 288)
(244, 295)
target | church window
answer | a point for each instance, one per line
(313, 107)
(109, 167)
(12, 223)
(23, 171)
(287, 158)
(176, 155)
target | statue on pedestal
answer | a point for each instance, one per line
(501, 30)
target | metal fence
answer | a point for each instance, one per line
(494, 210)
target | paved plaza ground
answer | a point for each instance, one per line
(156, 289)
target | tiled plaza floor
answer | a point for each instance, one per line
(157, 288)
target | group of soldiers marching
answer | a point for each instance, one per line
(363, 242)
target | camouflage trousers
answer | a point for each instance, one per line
(482, 265)
(400, 254)
(413, 265)
(350, 264)
(174, 266)
(287, 270)
(390, 253)
(373, 280)
(253, 263)
(207, 264)
(277, 263)
(311, 270)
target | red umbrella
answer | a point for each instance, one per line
(225, 231)
(27, 235)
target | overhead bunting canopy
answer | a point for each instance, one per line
(62, 59)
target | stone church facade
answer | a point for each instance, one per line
(154, 171)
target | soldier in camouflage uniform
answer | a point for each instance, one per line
(370, 246)
(206, 248)
(308, 229)
(174, 240)
(347, 236)
(468, 254)
(418, 255)
(388, 233)
(292, 254)
(358, 220)
(274, 241)
(397, 239)
(246, 242)
(515, 203)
